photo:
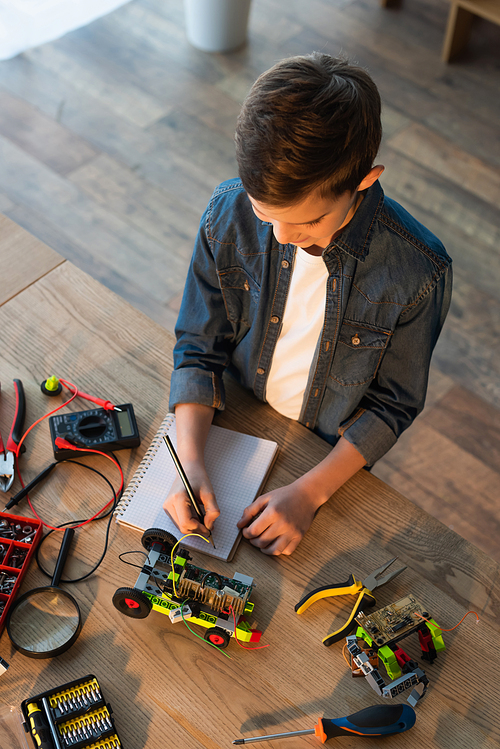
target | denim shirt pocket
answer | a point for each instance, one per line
(240, 293)
(359, 352)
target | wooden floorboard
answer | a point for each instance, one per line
(109, 84)
(421, 144)
(469, 422)
(42, 137)
(465, 499)
(113, 137)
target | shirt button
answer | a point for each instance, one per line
(275, 319)
(285, 263)
(355, 340)
(260, 371)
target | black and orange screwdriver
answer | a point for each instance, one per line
(377, 720)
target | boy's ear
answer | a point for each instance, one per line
(371, 177)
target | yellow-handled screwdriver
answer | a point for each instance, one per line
(39, 728)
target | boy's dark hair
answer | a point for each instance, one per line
(310, 121)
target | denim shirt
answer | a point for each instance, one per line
(388, 293)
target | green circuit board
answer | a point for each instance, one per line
(393, 622)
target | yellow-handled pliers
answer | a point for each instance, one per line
(364, 591)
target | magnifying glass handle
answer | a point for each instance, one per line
(63, 555)
(39, 728)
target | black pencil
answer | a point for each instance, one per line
(200, 512)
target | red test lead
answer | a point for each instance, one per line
(107, 405)
(52, 386)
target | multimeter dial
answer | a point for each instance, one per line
(96, 429)
(93, 427)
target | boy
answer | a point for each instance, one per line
(320, 294)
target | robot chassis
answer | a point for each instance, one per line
(381, 631)
(186, 592)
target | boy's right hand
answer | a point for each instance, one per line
(179, 507)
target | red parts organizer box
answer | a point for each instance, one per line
(15, 555)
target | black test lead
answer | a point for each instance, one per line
(200, 511)
(27, 489)
(377, 720)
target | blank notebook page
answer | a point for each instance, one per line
(237, 465)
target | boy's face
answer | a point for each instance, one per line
(314, 221)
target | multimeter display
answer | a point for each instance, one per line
(125, 423)
(96, 429)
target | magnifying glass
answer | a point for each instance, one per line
(45, 622)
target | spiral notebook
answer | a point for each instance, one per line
(238, 466)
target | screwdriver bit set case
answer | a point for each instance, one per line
(19, 536)
(78, 716)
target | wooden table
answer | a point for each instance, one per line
(167, 688)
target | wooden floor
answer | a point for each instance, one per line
(113, 138)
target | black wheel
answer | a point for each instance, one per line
(132, 602)
(158, 536)
(218, 637)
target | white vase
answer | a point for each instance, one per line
(217, 25)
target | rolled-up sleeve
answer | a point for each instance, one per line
(397, 393)
(204, 334)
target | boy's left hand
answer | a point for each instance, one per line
(276, 522)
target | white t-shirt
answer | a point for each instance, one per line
(302, 324)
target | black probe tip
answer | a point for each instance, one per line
(239, 741)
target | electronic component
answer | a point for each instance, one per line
(393, 622)
(207, 587)
(95, 429)
(416, 678)
(381, 631)
(215, 602)
(376, 639)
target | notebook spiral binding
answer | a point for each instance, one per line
(144, 464)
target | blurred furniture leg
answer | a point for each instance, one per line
(460, 20)
(457, 31)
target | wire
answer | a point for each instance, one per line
(344, 655)
(192, 630)
(89, 520)
(172, 555)
(41, 419)
(259, 647)
(68, 385)
(211, 574)
(456, 625)
(426, 619)
(245, 647)
(74, 524)
(138, 551)
(98, 517)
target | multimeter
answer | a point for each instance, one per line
(96, 429)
